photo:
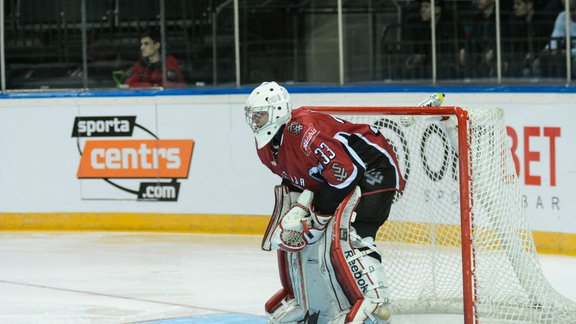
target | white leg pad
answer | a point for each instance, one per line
(287, 311)
(361, 276)
(371, 312)
(374, 307)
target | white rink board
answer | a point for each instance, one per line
(39, 158)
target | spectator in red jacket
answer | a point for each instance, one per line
(147, 72)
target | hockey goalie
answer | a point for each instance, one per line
(338, 184)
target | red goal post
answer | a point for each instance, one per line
(485, 224)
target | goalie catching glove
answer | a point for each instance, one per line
(299, 226)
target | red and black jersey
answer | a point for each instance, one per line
(330, 156)
(146, 74)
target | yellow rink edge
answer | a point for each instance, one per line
(546, 242)
(185, 223)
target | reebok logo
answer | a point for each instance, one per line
(357, 271)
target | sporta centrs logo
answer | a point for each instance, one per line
(114, 159)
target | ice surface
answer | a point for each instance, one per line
(158, 278)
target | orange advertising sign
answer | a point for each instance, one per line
(136, 159)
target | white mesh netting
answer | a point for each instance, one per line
(421, 240)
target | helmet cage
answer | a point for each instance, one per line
(266, 110)
(258, 117)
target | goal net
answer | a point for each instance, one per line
(457, 239)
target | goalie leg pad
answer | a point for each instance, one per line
(374, 307)
(361, 276)
(286, 305)
(286, 310)
(372, 280)
(312, 283)
(307, 292)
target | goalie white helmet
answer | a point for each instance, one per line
(267, 108)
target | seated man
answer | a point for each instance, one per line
(147, 72)
(418, 37)
(524, 36)
(552, 61)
